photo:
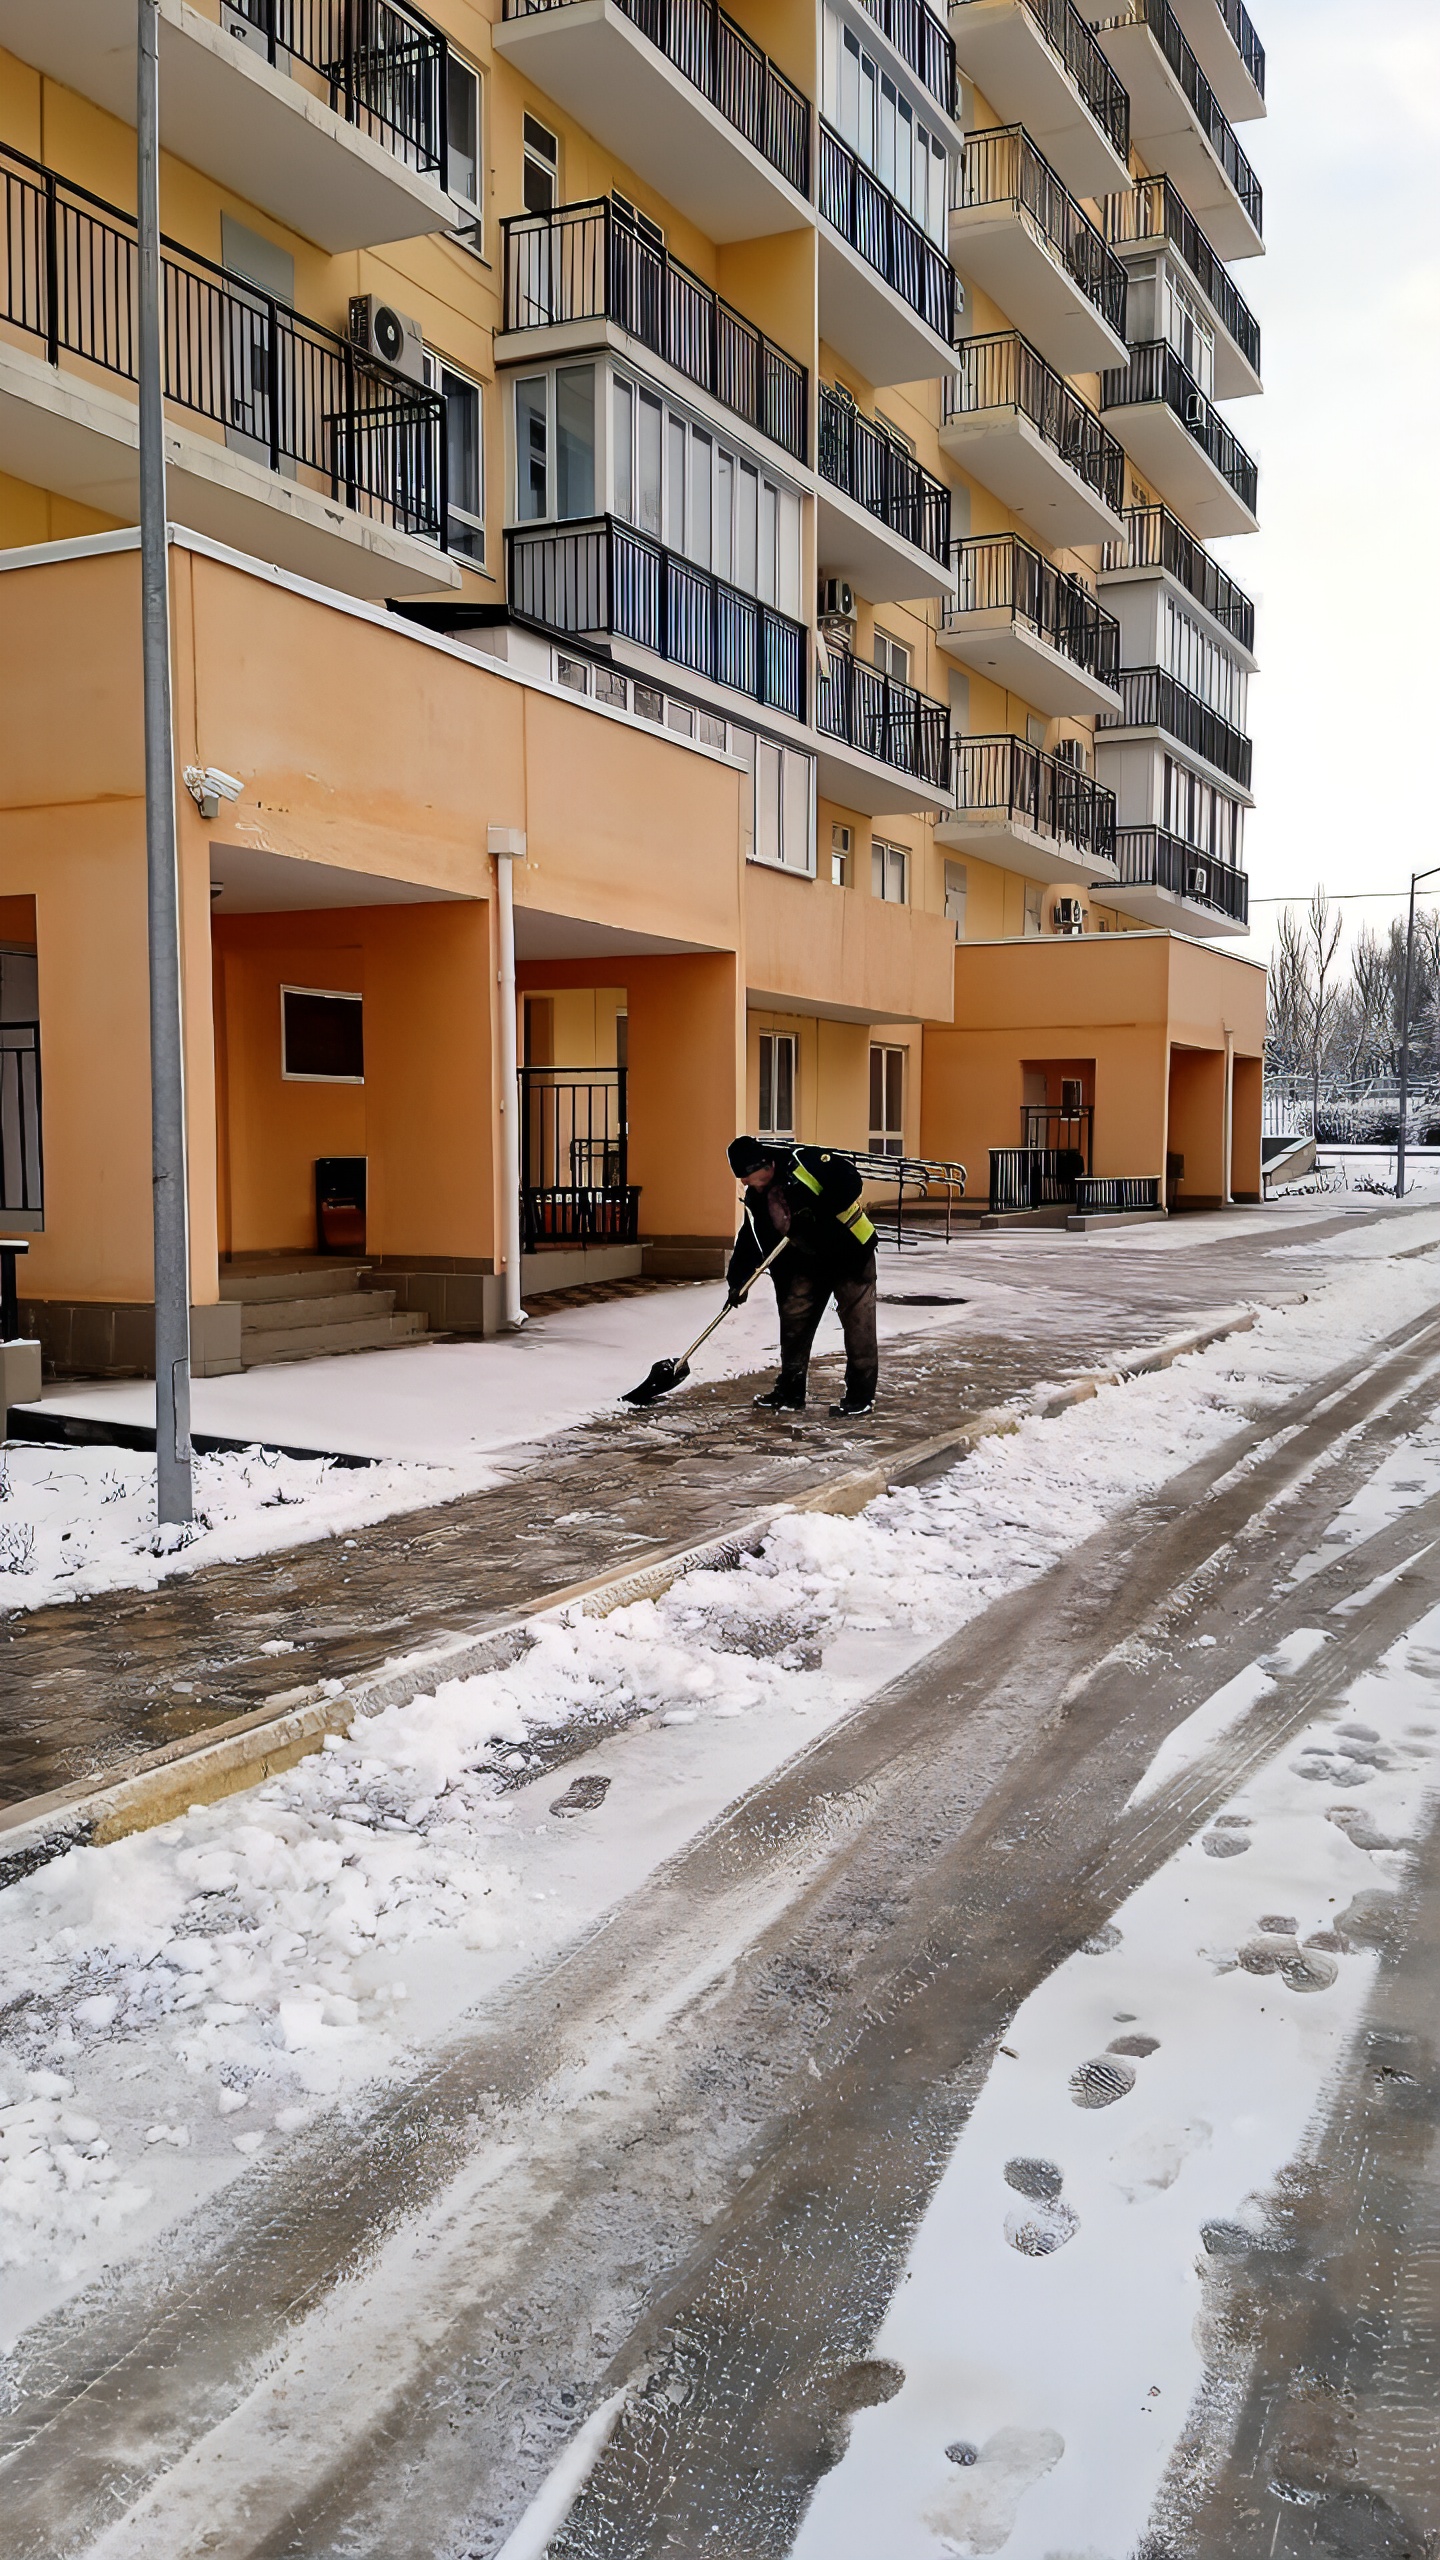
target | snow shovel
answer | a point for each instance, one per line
(670, 1373)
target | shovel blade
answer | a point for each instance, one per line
(665, 1375)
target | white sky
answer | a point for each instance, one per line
(1346, 568)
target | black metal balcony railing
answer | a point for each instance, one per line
(1002, 166)
(1151, 698)
(589, 262)
(1154, 539)
(386, 67)
(1151, 859)
(1155, 372)
(922, 40)
(604, 577)
(1152, 210)
(889, 483)
(1160, 18)
(1067, 34)
(884, 718)
(999, 572)
(868, 217)
(1247, 43)
(719, 60)
(1004, 371)
(295, 393)
(1010, 778)
(575, 1185)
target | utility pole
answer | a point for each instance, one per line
(173, 1480)
(1405, 1031)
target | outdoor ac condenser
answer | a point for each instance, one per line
(1197, 880)
(386, 336)
(1069, 915)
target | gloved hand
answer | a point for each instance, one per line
(734, 1298)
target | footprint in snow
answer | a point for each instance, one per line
(1099, 2082)
(1226, 1837)
(582, 1796)
(1046, 2221)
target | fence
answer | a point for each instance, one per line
(922, 37)
(1155, 539)
(1009, 777)
(574, 1157)
(884, 718)
(22, 1166)
(1024, 1178)
(1003, 371)
(384, 68)
(1151, 210)
(1117, 1191)
(1155, 372)
(1151, 698)
(926, 1177)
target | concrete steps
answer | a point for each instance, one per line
(313, 1310)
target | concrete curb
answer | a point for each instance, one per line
(229, 1758)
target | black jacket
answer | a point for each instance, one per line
(822, 1190)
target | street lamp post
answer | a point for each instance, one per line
(1405, 1029)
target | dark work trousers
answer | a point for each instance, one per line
(803, 1290)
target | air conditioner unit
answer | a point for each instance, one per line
(1197, 880)
(1196, 405)
(836, 616)
(387, 337)
(1071, 751)
(1069, 915)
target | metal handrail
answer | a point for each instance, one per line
(866, 215)
(590, 261)
(1003, 371)
(1155, 372)
(1154, 210)
(1007, 775)
(1156, 539)
(856, 456)
(1151, 698)
(1003, 166)
(231, 354)
(1151, 858)
(922, 1175)
(720, 60)
(387, 68)
(1247, 43)
(921, 39)
(1001, 572)
(880, 717)
(1214, 123)
(1067, 35)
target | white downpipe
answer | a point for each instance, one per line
(1228, 1140)
(507, 846)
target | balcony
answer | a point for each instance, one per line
(1153, 703)
(1181, 443)
(1178, 124)
(883, 522)
(300, 454)
(1030, 812)
(1024, 434)
(1019, 234)
(1039, 65)
(923, 40)
(329, 114)
(1168, 882)
(887, 294)
(1031, 627)
(1229, 53)
(681, 95)
(894, 742)
(603, 580)
(1142, 226)
(1155, 542)
(586, 264)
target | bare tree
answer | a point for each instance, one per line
(1322, 931)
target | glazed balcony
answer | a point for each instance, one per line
(681, 95)
(1229, 52)
(604, 580)
(1030, 812)
(1181, 443)
(1039, 65)
(1165, 881)
(1034, 628)
(1149, 221)
(574, 276)
(922, 39)
(883, 521)
(1155, 704)
(1023, 433)
(329, 114)
(887, 293)
(894, 742)
(1155, 543)
(1018, 233)
(1178, 124)
(280, 440)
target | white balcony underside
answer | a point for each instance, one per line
(868, 323)
(1235, 375)
(993, 836)
(531, 348)
(874, 790)
(223, 110)
(1180, 594)
(81, 441)
(1178, 915)
(1005, 451)
(999, 45)
(1000, 248)
(998, 645)
(1164, 132)
(1179, 469)
(879, 563)
(1108, 766)
(1220, 59)
(593, 62)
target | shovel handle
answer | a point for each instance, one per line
(758, 1273)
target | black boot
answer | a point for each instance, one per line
(780, 1399)
(849, 1409)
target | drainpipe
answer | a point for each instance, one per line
(507, 847)
(1229, 1125)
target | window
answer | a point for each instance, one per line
(890, 872)
(464, 457)
(957, 890)
(540, 172)
(670, 477)
(1197, 662)
(463, 158)
(322, 1038)
(1201, 815)
(777, 1084)
(572, 672)
(842, 843)
(887, 1101)
(1034, 907)
(1190, 333)
(532, 449)
(575, 441)
(784, 818)
(610, 687)
(892, 657)
(649, 703)
(864, 103)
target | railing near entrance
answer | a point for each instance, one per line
(1023, 1178)
(385, 67)
(574, 1158)
(1052, 1131)
(22, 1164)
(1117, 1191)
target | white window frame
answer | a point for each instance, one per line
(842, 854)
(532, 157)
(332, 995)
(888, 863)
(957, 895)
(436, 368)
(775, 1046)
(469, 229)
(781, 581)
(893, 656)
(885, 1138)
(548, 374)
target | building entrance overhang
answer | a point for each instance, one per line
(248, 879)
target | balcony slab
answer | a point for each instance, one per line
(1164, 130)
(63, 432)
(870, 324)
(1001, 47)
(994, 835)
(223, 110)
(997, 644)
(1203, 26)
(1003, 250)
(593, 61)
(1188, 602)
(1178, 467)
(1156, 906)
(1004, 450)
(880, 564)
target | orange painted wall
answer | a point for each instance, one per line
(811, 942)
(1197, 1122)
(1246, 1122)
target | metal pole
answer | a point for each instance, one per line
(174, 1489)
(507, 846)
(1405, 1043)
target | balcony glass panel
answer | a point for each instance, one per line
(883, 718)
(1002, 166)
(1003, 371)
(871, 468)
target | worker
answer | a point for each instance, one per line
(812, 1197)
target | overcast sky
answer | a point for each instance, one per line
(1346, 568)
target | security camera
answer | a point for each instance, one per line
(208, 786)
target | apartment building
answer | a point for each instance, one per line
(759, 462)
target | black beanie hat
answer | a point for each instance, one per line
(746, 1154)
